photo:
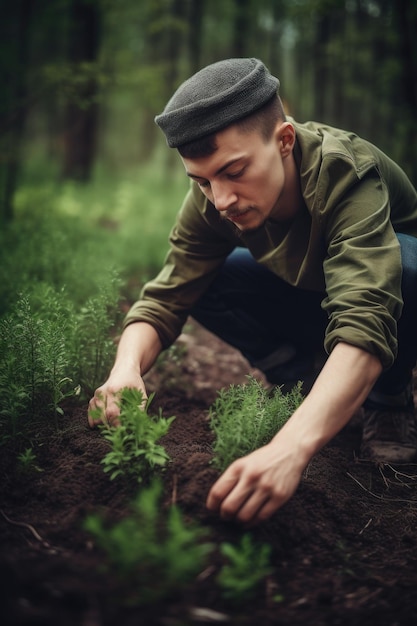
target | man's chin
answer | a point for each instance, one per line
(246, 220)
(248, 228)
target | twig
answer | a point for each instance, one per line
(375, 495)
(29, 527)
(383, 476)
(368, 523)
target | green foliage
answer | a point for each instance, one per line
(73, 236)
(71, 81)
(93, 346)
(45, 249)
(248, 564)
(50, 352)
(246, 417)
(34, 363)
(59, 292)
(153, 553)
(134, 449)
(27, 462)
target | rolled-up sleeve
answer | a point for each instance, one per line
(362, 271)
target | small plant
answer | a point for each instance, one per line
(245, 417)
(248, 564)
(27, 461)
(134, 448)
(93, 345)
(153, 553)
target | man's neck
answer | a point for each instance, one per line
(291, 199)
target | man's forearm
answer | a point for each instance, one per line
(138, 348)
(339, 391)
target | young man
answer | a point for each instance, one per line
(292, 237)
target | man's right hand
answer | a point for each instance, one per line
(138, 349)
(103, 408)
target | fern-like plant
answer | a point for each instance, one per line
(135, 451)
(153, 552)
(245, 417)
(247, 565)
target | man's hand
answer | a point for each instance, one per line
(104, 406)
(255, 486)
(138, 348)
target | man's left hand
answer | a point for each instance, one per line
(255, 486)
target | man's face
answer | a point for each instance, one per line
(244, 178)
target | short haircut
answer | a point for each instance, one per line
(263, 120)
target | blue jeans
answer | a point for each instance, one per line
(280, 329)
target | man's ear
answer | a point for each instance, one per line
(285, 136)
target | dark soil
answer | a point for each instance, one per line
(344, 548)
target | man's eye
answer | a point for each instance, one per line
(236, 174)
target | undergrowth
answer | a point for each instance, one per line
(65, 259)
(245, 417)
(93, 342)
(52, 351)
(34, 366)
(153, 553)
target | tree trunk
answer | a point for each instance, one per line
(407, 21)
(242, 27)
(81, 124)
(321, 66)
(15, 46)
(195, 32)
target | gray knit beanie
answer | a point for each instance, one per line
(214, 97)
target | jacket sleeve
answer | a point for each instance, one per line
(362, 271)
(199, 244)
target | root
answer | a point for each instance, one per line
(379, 497)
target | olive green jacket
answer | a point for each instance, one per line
(342, 244)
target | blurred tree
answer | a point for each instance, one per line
(245, 18)
(351, 63)
(406, 21)
(81, 119)
(14, 58)
(356, 68)
(195, 21)
(163, 29)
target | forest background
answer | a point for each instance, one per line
(88, 188)
(81, 80)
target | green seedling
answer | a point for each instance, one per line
(134, 449)
(153, 552)
(248, 564)
(245, 417)
(27, 461)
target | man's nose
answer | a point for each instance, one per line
(223, 196)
